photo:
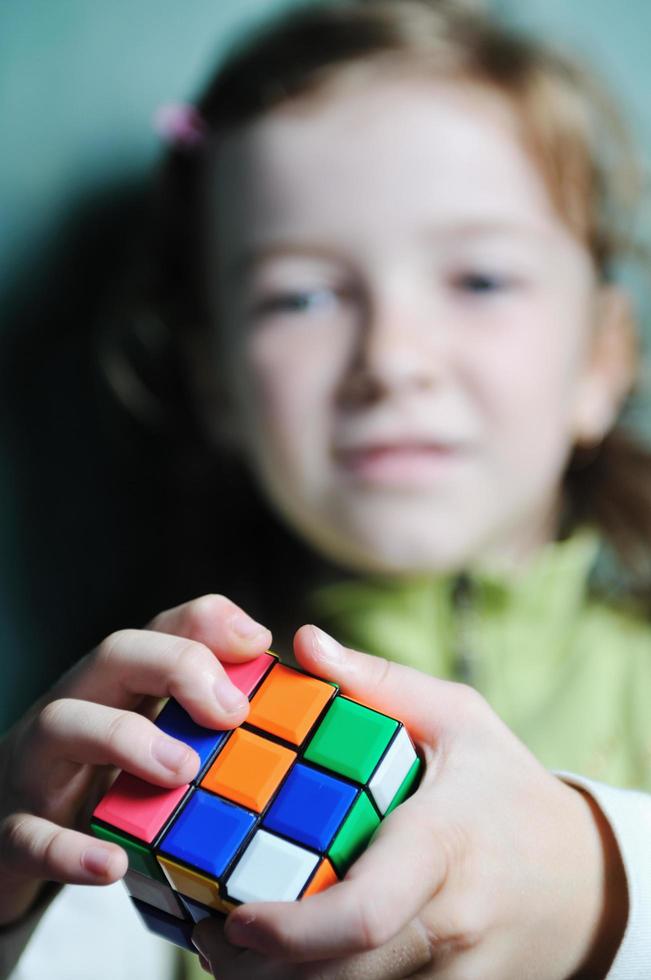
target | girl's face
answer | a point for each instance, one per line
(408, 324)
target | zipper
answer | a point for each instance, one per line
(464, 653)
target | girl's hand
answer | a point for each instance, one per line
(493, 869)
(55, 763)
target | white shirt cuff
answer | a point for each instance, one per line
(629, 814)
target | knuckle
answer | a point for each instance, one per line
(372, 926)
(123, 730)
(455, 847)
(191, 656)
(211, 602)
(470, 922)
(50, 717)
(111, 645)
(14, 839)
(201, 613)
(383, 670)
(49, 845)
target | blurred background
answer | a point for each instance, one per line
(85, 538)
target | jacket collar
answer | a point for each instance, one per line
(433, 622)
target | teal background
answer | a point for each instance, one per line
(79, 82)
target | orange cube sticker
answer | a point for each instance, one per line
(248, 770)
(288, 703)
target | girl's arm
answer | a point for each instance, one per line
(495, 868)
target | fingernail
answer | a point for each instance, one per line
(230, 698)
(326, 647)
(96, 860)
(170, 754)
(245, 627)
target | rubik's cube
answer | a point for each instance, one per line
(280, 807)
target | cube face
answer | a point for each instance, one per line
(154, 893)
(174, 721)
(247, 676)
(177, 931)
(389, 775)
(208, 833)
(141, 859)
(192, 884)
(271, 869)
(310, 807)
(279, 809)
(138, 808)
(324, 876)
(355, 834)
(288, 704)
(351, 739)
(249, 770)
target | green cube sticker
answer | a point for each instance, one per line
(406, 787)
(354, 835)
(351, 739)
(140, 858)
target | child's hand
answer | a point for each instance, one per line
(494, 869)
(55, 762)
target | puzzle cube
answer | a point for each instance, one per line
(279, 809)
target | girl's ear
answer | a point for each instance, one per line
(218, 416)
(611, 367)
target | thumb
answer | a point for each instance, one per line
(425, 704)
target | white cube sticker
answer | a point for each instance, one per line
(391, 772)
(271, 870)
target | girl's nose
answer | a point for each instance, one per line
(396, 352)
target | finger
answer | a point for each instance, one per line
(427, 705)
(32, 847)
(231, 963)
(399, 958)
(208, 937)
(363, 912)
(99, 735)
(133, 663)
(219, 624)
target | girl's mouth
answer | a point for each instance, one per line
(398, 464)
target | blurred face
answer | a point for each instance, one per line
(407, 324)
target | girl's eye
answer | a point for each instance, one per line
(296, 302)
(481, 283)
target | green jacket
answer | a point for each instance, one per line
(570, 673)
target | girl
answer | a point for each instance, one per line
(387, 242)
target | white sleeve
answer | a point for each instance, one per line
(629, 814)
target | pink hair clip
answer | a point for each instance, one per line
(180, 124)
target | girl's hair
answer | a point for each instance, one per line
(567, 123)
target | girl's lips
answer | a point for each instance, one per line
(406, 464)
